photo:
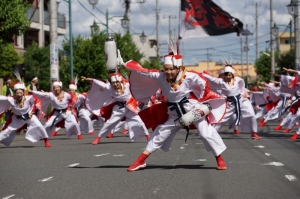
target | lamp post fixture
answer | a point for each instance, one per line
(293, 10)
(125, 23)
(95, 27)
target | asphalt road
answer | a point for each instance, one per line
(72, 168)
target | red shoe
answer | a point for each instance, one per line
(79, 137)
(96, 141)
(139, 163)
(278, 128)
(287, 130)
(255, 136)
(262, 120)
(296, 124)
(262, 124)
(237, 132)
(54, 134)
(91, 133)
(295, 136)
(124, 131)
(47, 143)
(110, 135)
(148, 137)
(221, 163)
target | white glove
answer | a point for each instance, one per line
(119, 59)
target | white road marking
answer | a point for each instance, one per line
(118, 155)
(101, 154)
(200, 160)
(267, 154)
(291, 177)
(260, 146)
(155, 191)
(182, 147)
(277, 164)
(46, 179)
(198, 143)
(73, 165)
(7, 197)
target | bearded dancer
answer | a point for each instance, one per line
(23, 108)
(182, 90)
(63, 113)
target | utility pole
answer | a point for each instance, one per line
(241, 42)
(247, 56)
(54, 65)
(170, 17)
(256, 27)
(296, 33)
(207, 55)
(127, 14)
(271, 38)
(157, 38)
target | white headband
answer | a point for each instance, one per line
(228, 69)
(19, 86)
(173, 60)
(56, 83)
(34, 79)
(116, 78)
(73, 86)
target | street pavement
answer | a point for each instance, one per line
(72, 168)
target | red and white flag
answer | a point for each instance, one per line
(201, 18)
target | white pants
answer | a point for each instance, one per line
(275, 112)
(291, 119)
(85, 121)
(35, 130)
(248, 120)
(136, 126)
(121, 125)
(71, 125)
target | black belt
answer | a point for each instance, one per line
(236, 101)
(121, 105)
(293, 102)
(284, 99)
(60, 111)
(178, 107)
(23, 117)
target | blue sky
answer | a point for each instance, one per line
(143, 18)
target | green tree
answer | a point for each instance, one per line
(286, 60)
(263, 65)
(89, 56)
(12, 19)
(37, 63)
(9, 57)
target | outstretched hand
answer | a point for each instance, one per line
(120, 61)
(86, 79)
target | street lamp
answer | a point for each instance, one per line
(143, 38)
(125, 23)
(275, 31)
(95, 27)
(293, 10)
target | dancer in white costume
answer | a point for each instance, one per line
(121, 125)
(23, 108)
(232, 87)
(182, 89)
(85, 121)
(63, 110)
(117, 95)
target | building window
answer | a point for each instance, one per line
(286, 41)
(152, 43)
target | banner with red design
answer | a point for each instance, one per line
(201, 18)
